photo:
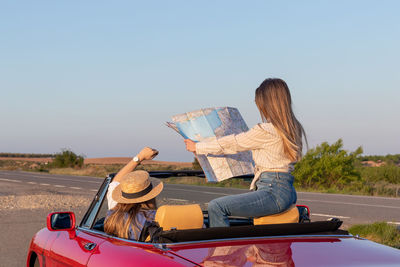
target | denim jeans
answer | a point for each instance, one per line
(275, 193)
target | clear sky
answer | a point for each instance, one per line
(102, 77)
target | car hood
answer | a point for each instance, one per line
(293, 251)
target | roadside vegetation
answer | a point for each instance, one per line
(67, 159)
(380, 232)
(331, 169)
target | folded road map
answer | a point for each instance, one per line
(214, 123)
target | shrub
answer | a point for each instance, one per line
(327, 166)
(67, 159)
(389, 173)
(196, 164)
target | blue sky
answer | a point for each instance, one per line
(102, 77)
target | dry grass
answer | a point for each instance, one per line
(125, 160)
(95, 167)
(107, 161)
(234, 183)
(98, 170)
(90, 170)
(380, 232)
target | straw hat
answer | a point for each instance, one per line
(136, 187)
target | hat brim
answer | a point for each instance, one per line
(155, 191)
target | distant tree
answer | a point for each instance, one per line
(393, 158)
(327, 166)
(390, 159)
(25, 155)
(196, 164)
(389, 173)
(66, 158)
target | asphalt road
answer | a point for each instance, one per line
(349, 208)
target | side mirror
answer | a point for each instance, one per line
(62, 221)
(304, 213)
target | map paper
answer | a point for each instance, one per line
(215, 123)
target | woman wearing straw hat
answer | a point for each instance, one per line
(131, 198)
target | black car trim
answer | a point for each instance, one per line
(171, 245)
(99, 197)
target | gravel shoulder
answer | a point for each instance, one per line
(23, 210)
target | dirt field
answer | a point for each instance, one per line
(109, 160)
(124, 160)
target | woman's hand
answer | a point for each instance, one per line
(190, 145)
(147, 153)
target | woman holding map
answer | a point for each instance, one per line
(276, 145)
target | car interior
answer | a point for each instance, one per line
(184, 223)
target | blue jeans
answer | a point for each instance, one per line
(275, 193)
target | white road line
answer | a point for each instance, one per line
(44, 184)
(77, 188)
(348, 203)
(31, 182)
(8, 180)
(65, 179)
(397, 223)
(53, 178)
(57, 185)
(177, 199)
(343, 195)
(330, 216)
(93, 190)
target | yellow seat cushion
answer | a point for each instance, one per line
(180, 217)
(290, 215)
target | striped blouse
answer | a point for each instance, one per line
(262, 140)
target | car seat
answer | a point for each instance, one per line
(179, 217)
(291, 215)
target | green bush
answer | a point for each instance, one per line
(328, 166)
(196, 164)
(389, 173)
(67, 159)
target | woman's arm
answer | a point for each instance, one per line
(255, 138)
(146, 153)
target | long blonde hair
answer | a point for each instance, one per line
(275, 105)
(117, 223)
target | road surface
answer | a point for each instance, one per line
(349, 208)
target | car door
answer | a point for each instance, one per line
(76, 249)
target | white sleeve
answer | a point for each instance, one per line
(111, 202)
(255, 138)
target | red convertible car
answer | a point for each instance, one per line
(247, 242)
